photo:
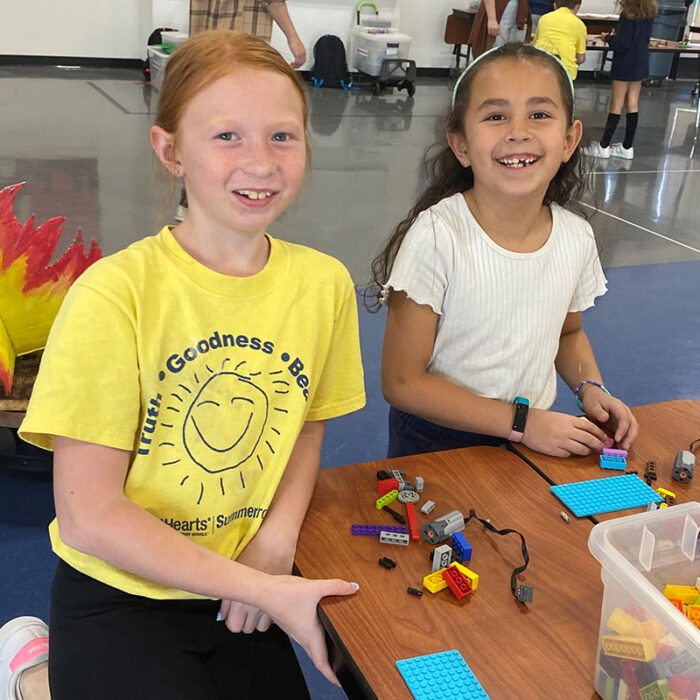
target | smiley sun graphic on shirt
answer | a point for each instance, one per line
(225, 421)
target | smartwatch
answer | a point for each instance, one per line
(522, 406)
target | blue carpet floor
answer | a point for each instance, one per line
(646, 335)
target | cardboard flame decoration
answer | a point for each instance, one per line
(31, 290)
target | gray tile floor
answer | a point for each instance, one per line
(80, 139)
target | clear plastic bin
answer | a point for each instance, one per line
(371, 49)
(158, 60)
(174, 37)
(644, 641)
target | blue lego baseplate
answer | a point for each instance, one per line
(605, 495)
(441, 676)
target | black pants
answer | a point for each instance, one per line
(110, 645)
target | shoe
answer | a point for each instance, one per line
(617, 150)
(595, 150)
(24, 642)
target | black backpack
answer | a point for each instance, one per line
(330, 63)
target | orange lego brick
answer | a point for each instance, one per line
(694, 614)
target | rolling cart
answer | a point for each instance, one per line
(381, 52)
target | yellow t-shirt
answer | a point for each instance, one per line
(207, 379)
(562, 33)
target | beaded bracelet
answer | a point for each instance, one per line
(578, 388)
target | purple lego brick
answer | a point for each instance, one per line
(615, 453)
(376, 529)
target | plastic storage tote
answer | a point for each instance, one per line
(646, 647)
(372, 48)
(158, 59)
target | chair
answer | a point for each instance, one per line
(457, 31)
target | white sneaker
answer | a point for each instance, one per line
(617, 150)
(595, 150)
(24, 642)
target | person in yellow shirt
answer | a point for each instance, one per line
(563, 34)
(184, 390)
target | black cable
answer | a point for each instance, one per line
(521, 593)
(690, 449)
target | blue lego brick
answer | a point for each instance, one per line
(441, 676)
(605, 495)
(461, 546)
(612, 462)
(359, 529)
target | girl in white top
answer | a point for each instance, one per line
(486, 279)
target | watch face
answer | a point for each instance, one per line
(520, 417)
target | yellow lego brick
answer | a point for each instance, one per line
(665, 492)
(468, 574)
(672, 696)
(623, 623)
(434, 582)
(635, 648)
(693, 613)
(686, 594)
(387, 498)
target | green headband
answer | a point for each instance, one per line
(495, 48)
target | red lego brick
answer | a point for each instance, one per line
(457, 582)
(386, 485)
(411, 517)
(627, 667)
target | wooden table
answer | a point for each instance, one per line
(544, 649)
(665, 428)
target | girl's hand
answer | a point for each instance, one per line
(494, 28)
(561, 435)
(265, 553)
(293, 609)
(611, 413)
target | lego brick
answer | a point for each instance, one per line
(609, 664)
(658, 690)
(468, 574)
(623, 623)
(434, 582)
(441, 676)
(606, 685)
(609, 462)
(374, 530)
(461, 546)
(615, 453)
(442, 557)
(387, 563)
(678, 604)
(427, 507)
(605, 495)
(414, 591)
(682, 663)
(396, 516)
(565, 517)
(625, 647)
(457, 583)
(686, 594)
(420, 484)
(649, 672)
(386, 485)
(685, 686)
(683, 467)
(393, 538)
(398, 474)
(386, 499)
(412, 524)
(693, 613)
(627, 668)
(383, 475)
(524, 593)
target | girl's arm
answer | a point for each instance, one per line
(576, 363)
(95, 517)
(274, 545)
(280, 14)
(406, 384)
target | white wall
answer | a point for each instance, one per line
(109, 29)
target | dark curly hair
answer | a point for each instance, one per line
(447, 176)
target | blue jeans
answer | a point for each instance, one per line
(411, 435)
